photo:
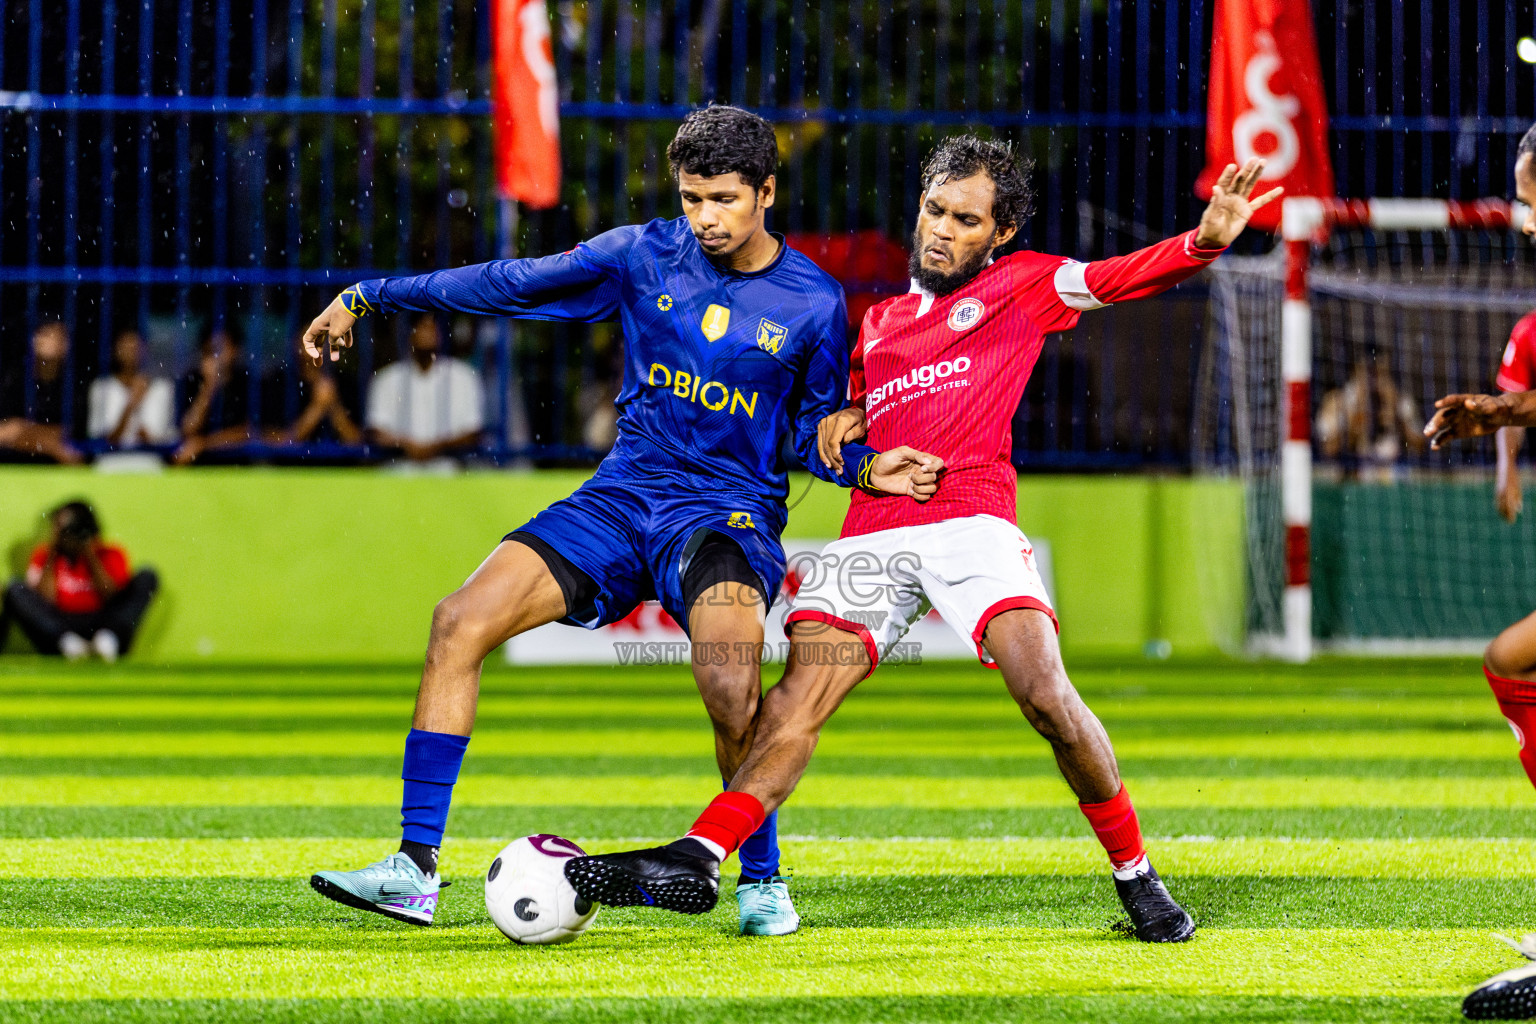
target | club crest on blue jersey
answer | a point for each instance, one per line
(770, 336)
(741, 521)
(717, 320)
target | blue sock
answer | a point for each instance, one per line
(432, 761)
(759, 855)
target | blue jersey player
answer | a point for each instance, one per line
(733, 341)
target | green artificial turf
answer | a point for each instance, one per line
(1346, 834)
(1137, 1009)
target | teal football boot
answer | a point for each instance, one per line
(765, 907)
(394, 887)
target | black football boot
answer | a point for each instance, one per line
(1154, 915)
(1507, 996)
(668, 877)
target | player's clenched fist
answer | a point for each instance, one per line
(333, 329)
(905, 471)
(1462, 416)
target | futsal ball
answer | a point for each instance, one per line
(527, 895)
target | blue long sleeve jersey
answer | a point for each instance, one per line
(718, 365)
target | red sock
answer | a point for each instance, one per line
(1114, 822)
(1517, 700)
(729, 820)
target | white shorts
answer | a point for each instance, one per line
(878, 584)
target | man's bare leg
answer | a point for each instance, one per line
(1512, 654)
(726, 627)
(512, 592)
(1023, 643)
(1510, 666)
(825, 664)
(726, 624)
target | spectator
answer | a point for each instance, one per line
(428, 405)
(76, 587)
(40, 429)
(322, 411)
(596, 397)
(1369, 422)
(218, 396)
(130, 408)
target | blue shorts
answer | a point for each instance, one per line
(635, 538)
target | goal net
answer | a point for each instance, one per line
(1322, 361)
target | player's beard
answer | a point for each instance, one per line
(939, 282)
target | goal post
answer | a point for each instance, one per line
(1402, 286)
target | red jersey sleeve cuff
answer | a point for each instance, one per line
(1200, 255)
(1510, 385)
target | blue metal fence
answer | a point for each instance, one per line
(176, 165)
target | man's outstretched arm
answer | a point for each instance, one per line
(1458, 417)
(580, 285)
(1079, 287)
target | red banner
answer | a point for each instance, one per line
(1266, 100)
(525, 103)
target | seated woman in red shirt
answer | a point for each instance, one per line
(78, 595)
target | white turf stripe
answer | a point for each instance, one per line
(1493, 743)
(657, 960)
(298, 858)
(843, 791)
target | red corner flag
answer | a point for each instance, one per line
(525, 103)
(1266, 100)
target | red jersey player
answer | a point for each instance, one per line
(944, 367)
(1517, 373)
(1509, 663)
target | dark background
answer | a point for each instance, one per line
(180, 163)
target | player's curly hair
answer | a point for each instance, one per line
(961, 156)
(720, 139)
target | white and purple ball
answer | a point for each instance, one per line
(527, 895)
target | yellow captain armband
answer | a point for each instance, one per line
(866, 467)
(354, 301)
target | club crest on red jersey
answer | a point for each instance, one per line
(965, 314)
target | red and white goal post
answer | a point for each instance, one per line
(1305, 223)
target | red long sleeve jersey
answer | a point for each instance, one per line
(945, 375)
(1517, 370)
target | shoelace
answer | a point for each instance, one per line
(768, 892)
(389, 867)
(1148, 896)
